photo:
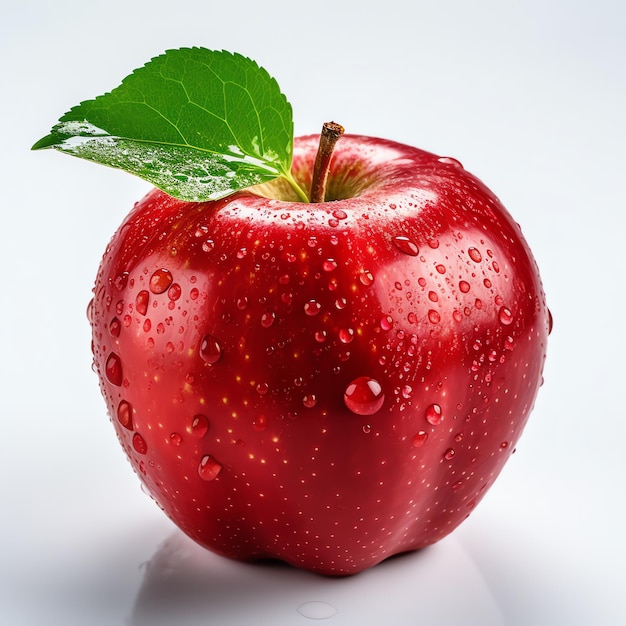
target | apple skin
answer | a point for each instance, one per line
(325, 384)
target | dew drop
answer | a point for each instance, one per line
(420, 439)
(312, 307)
(441, 268)
(139, 443)
(340, 303)
(364, 396)
(309, 401)
(175, 439)
(475, 255)
(505, 315)
(434, 414)
(208, 245)
(160, 281)
(125, 414)
(329, 265)
(199, 426)
(405, 245)
(340, 214)
(113, 369)
(407, 392)
(209, 468)
(464, 286)
(449, 454)
(210, 350)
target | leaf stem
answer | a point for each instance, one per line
(288, 176)
(331, 132)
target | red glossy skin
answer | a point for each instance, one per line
(229, 376)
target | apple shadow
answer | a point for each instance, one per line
(186, 585)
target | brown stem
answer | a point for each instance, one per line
(329, 137)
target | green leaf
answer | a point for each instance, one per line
(197, 123)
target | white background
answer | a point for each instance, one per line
(530, 96)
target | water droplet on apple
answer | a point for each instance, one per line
(329, 265)
(449, 454)
(407, 392)
(366, 278)
(550, 322)
(208, 245)
(125, 414)
(210, 350)
(317, 610)
(141, 302)
(434, 414)
(405, 245)
(441, 268)
(175, 439)
(174, 292)
(320, 336)
(199, 426)
(475, 255)
(139, 443)
(346, 335)
(115, 327)
(364, 396)
(505, 315)
(209, 468)
(309, 401)
(433, 316)
(420, 439)
(312, 307)
(267, 319)
(160, 281)
(340, 303)
(450, 161)
(386, 322)
(464, 286)
(113, 369)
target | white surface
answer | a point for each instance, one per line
(530, 96)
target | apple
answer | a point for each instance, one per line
(326, 383)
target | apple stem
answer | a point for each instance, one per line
(331, 132)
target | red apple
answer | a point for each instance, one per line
(329, 383)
